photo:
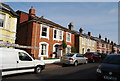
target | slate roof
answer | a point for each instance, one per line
(6, 8)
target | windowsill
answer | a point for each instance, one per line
(44, 37)
(7, 29)
(57, 39)
(43, 56)
(68, 41)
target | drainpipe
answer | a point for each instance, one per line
(35, 38)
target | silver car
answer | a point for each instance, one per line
(73, 58)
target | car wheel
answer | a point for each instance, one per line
(38, 69)
(93, 60)
(63, 65)
(86, 61)
(76, 63)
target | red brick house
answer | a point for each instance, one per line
(105, 46)
(39, 32)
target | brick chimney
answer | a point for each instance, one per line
(108, 41)
(112, 42)
(105, 39)
(89, 33)
(81, 31)
(99, 36)
(70, 26)
(32, 12)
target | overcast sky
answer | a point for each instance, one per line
(96, 17)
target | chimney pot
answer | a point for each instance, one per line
(32, 11)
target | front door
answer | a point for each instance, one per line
(58, 51)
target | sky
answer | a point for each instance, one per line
(96, 17)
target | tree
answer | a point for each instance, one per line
(73, 50)
(64, 45)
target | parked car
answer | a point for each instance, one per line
(73, 58)
(92, 56)
(109, 69)
(18, 61)
(103, 55)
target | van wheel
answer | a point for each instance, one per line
(38, 69)
(76, 63)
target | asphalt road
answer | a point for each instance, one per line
(56, 71)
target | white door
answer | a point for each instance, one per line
(25, 61)
(59, 52)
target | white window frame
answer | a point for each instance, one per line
(54, 46)
(3, 20)
(67, 37)
(58, 35)
(68, 46)
(47, 49)
(47, 37)
(83, 41)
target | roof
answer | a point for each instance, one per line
(6, 8)
(48, 22)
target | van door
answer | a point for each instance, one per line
(9, 62)
(25, 61)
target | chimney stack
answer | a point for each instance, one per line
(99, 36)
(108, 41)
(112, 42)
(89, 33)
(81, 31)
(70, 26)
(105, 39)
(32, 12)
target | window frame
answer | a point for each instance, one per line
(58, 34)
(3, 23)
(68, 36)
(30, 59)
(47, 49)
(68, 46)
(47, 32)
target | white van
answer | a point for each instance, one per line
(18, 61)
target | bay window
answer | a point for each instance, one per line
(2, 17)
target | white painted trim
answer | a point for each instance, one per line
(2, 35)
(67, 47)
(87, 49)
(57, 36)
(84, 49)
(47, 49)
(46, 37)
(67, 36)
(54, 46)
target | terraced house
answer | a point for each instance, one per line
(85, 42)
(105, 46)
(8, 24)
(39, 32)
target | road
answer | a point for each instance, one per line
(56, 71)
